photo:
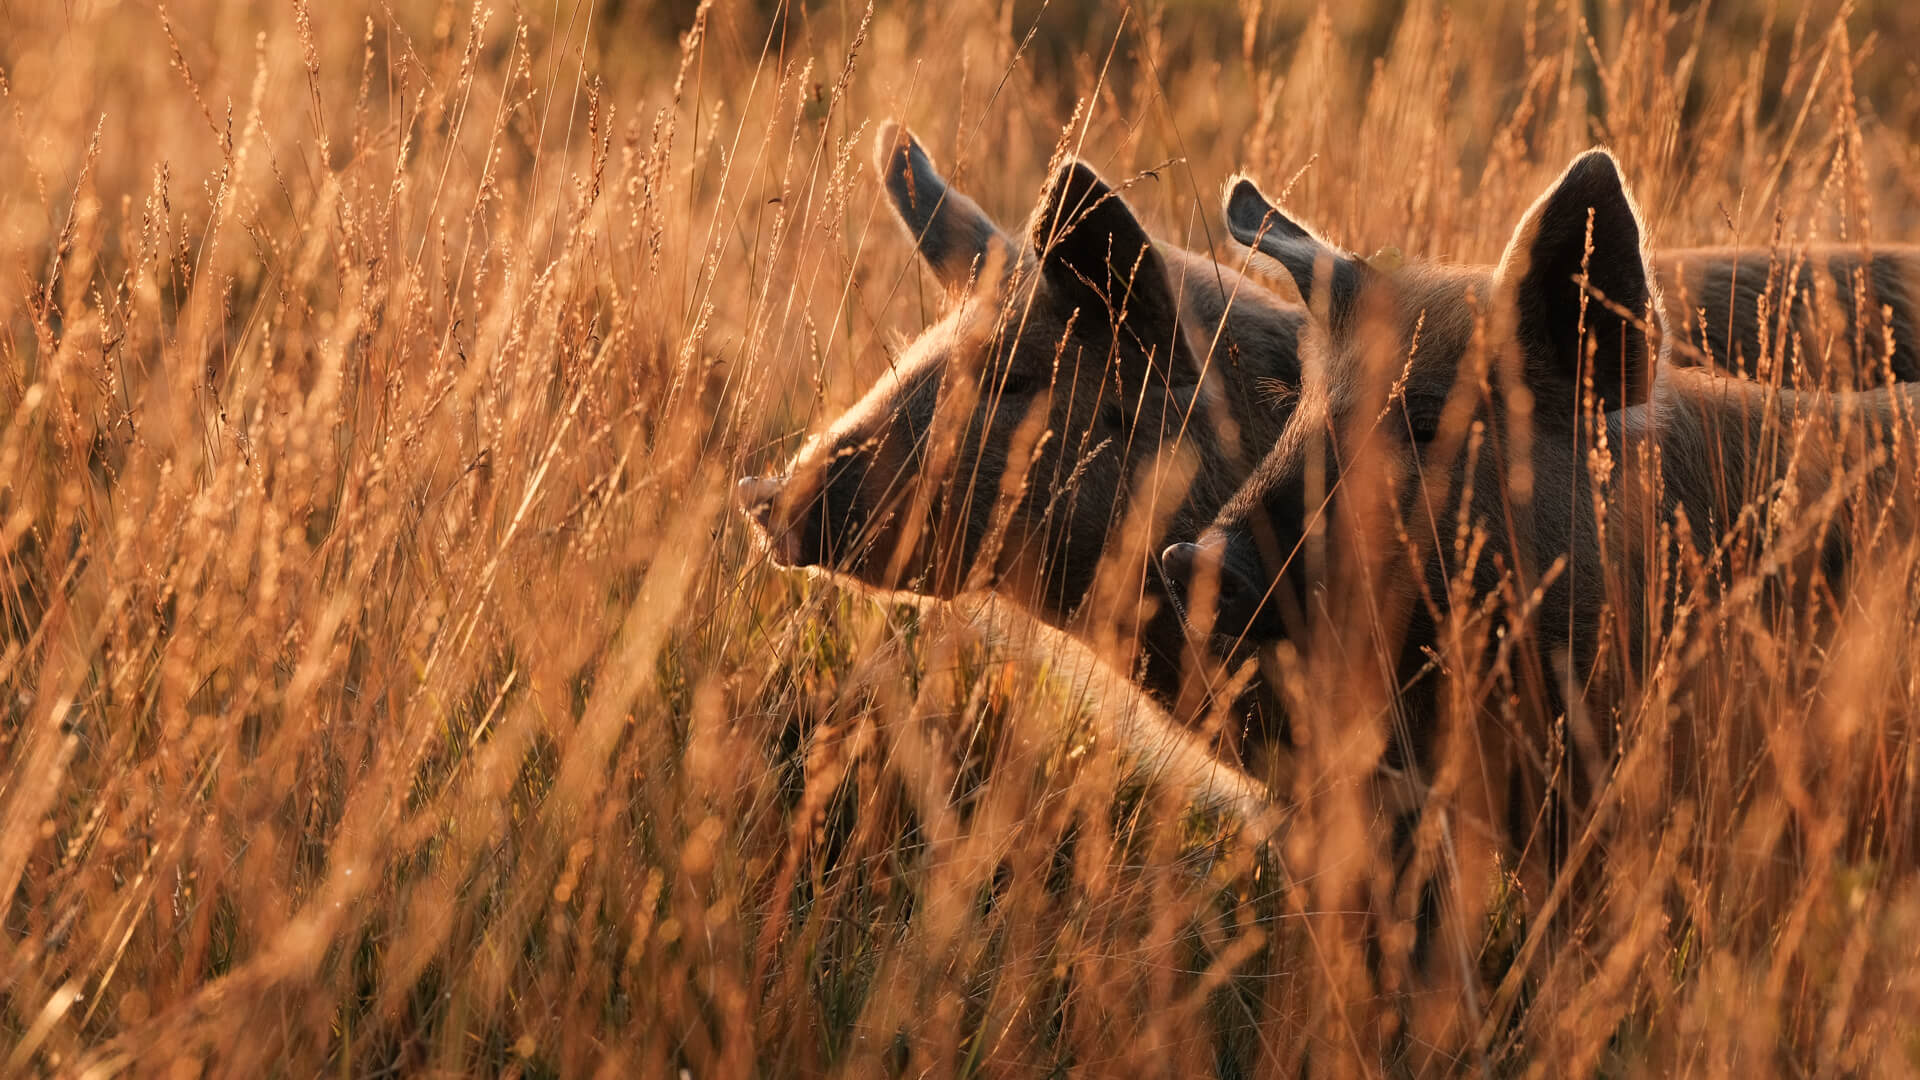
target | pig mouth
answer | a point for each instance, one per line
(755, 497)
(802, 536)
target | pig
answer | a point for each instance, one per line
(1470, 530)
(1089, 395)
(1559, 351)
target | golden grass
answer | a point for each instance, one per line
(387, 688)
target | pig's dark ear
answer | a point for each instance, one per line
(1319, 270)
(1540, 276)
(949, 230)
(1097, 257)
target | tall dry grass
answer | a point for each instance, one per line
(387, 688)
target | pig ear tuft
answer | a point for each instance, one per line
(951, 232)
(1318, 269)
(1541, 277)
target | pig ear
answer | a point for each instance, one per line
(1540, 277)
(1318, 269)
(1098, 258)
(949, 230)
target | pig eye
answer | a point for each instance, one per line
(1014, 383)
(1422, 420)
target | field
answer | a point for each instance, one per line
(387, 686)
